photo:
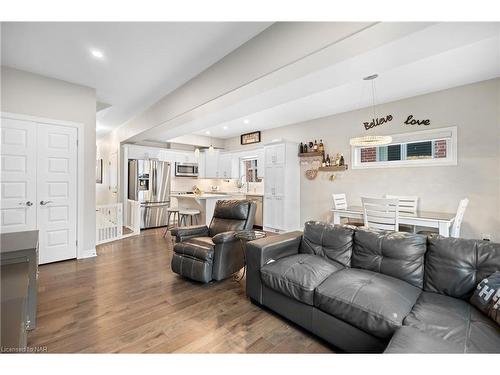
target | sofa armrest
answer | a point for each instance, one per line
(184, 233)
(224, 237)
(260, 252)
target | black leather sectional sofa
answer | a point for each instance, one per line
(367, 291)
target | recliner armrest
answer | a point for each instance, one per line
(223, 237)
(184, 233)
(260, 252)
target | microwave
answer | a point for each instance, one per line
(186, 170)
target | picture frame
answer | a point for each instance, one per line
(98, 171)
(250, 138)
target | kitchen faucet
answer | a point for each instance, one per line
(241, 183)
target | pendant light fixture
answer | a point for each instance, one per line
(371, 140)
(211, 148)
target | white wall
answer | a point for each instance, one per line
(36, 95)
(474, 109)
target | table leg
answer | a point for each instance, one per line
(444, 229)
(336, 218)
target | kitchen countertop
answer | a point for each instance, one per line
(216, 195)
(202, 196)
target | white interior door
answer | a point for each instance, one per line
(18, 175)
(57, 192)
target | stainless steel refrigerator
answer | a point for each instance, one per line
(149, 183)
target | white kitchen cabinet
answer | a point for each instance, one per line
(281, 188)
(210, 161)
(225, 167)
(260, 163)
(275, 154)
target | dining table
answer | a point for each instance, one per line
(430, 219)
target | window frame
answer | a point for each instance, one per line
(448, 133)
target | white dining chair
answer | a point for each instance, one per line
(457, 221)
(381, 213)
(340, 203)
(408, 204)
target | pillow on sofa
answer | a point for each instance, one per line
(486, 297)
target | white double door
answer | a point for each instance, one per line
(39, 185)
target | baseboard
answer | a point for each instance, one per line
(87, 253)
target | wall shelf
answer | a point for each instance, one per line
(333, 168)
(310, 154)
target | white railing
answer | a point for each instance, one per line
(109, 223)
(133, 217)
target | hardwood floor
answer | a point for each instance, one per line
(128, 300)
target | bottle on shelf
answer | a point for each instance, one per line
(304, 149)
(311, 147)
(315, 146)
(341, 161)
(328, 162)
(301, 148)
(337, 159)
(323, 161)
(321, 146)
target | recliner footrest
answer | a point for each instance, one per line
(195, 269)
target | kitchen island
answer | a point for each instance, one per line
(204, 202)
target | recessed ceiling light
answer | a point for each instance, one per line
(207, 132)
(225, 127)
(97, 54)
(246, 121)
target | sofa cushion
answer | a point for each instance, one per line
(455, 321)
(297, 276)
(194, 250)
(371, 301)
(202, 241)
(333, 241)
(454, 266)
(411, 340)
(396, 254)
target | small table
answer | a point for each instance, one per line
(244, 236)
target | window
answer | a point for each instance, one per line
(250, 170)
(425, 148)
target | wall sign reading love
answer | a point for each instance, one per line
(410, 120)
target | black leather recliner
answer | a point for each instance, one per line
(204, 253)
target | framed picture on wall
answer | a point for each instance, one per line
(249, 138)
(98, 171)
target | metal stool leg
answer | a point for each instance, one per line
(168, 224)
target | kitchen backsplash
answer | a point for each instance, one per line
(226, 186)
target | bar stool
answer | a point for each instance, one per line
(189, 213)
(172, 212)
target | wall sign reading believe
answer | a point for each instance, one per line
(377, 122)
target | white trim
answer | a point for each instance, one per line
(431, 134)
(90, 253)
(80, 253)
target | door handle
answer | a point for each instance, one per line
(28, 204)
(43, 203)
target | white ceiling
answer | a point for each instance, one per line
(437, 57)
(142, 61)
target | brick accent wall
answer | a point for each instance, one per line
(440, 149)
(368, 154)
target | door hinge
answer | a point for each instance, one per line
(76, 243)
